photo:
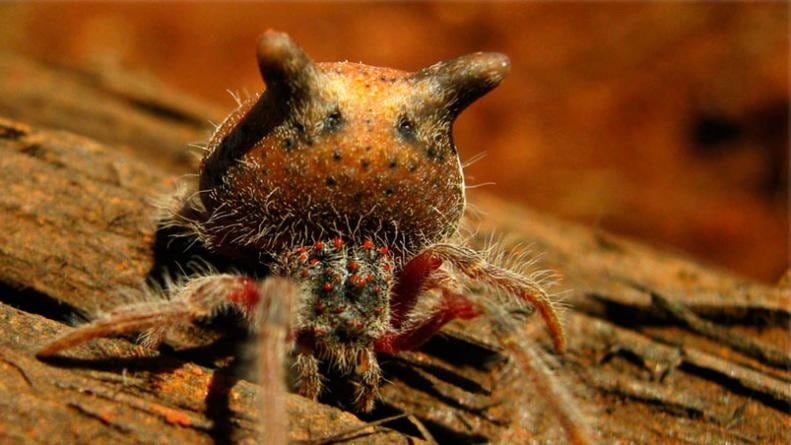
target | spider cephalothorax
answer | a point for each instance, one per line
(342, 181)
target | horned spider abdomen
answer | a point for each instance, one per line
(342, 181)
(342, 149)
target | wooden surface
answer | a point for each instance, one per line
(653, 336)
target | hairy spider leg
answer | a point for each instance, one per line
(198, 298)
(409, 285)
(274, 318)
(453, 306)
(268, 305)
(530, 362)
(423, 272)
(309, 381)
(368, 373)
(474, 267)
(412, 281)
(420, 274)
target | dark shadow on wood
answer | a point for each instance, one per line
(29, 300)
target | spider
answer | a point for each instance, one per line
(342, 182)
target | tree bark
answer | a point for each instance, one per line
(662, 349)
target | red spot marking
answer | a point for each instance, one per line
(319, 245)
(353, 265)
(368, 244)
(384, 250)
(304, 273)
(302, 250)
(386, 266)
(369, 277)
(320, 307)
(327, 287)
(313, 261)
(338, 309)
(357, 280)
(303, 257)
(338, 242)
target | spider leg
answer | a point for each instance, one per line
(198, 298)
(474, 266)
(309, 382)
(411, 283)
(529, 361)
(368, 374)
(450, 307)
(421, 273)
(426, 274)
(202, 297)
(274, 317)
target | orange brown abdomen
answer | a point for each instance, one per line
(344, 150)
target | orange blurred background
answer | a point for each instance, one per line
(665, 121)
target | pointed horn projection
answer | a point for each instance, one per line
(461, 81)
(288, 72)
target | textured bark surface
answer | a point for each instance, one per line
(661, 349)
(132, 112)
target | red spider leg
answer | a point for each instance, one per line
(409, 285)
(475, 267)
(454, 305)
(451, 306)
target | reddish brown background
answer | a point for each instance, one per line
(664, 121)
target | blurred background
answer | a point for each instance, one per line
(668, 122)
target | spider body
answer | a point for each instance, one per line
(328, 148)
(343, 181)
(347, 289)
